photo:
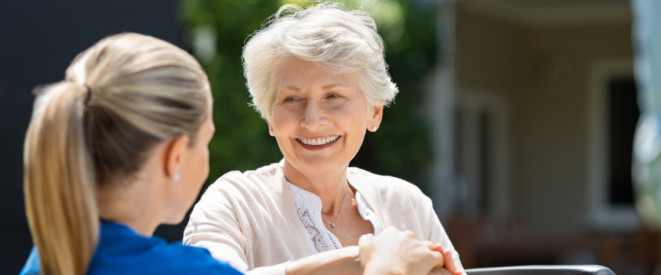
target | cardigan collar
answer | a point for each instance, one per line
(358, 182)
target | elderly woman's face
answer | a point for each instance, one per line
(319, 117)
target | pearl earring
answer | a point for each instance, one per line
(374, 129)
(176, 177)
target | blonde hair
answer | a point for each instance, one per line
(120, 98)
(342, 40)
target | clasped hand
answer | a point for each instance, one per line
(399, 252)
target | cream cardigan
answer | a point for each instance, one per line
(250, 221)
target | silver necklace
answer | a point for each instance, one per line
(332, 224)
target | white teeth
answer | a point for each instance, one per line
(318, 141)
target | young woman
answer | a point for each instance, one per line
(114, 150)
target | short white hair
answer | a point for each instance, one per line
(345, 41)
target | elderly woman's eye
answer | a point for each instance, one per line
(331, 96)
(290, 99)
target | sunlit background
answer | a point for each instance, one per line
(517, 117)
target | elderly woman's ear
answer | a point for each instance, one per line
(374, 121)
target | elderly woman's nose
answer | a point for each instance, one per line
(312, 115)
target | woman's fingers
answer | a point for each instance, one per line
(437, 259)
(449, 262)
(395, 250)
(364, 239)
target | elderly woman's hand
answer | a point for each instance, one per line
(449, 268)
(397, 252)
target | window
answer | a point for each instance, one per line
(480, 160)
(613, 114)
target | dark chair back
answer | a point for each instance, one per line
(542, 270)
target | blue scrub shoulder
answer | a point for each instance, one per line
(122, 251)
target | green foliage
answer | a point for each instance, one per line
(400, 148)
(241, 141)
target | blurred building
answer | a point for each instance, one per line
(542, 110)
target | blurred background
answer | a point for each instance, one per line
(517, 117)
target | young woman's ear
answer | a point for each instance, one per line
(174, 156)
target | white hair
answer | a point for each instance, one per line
(343, 40)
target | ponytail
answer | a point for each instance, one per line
(59, 181)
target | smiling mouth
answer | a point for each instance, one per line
(318, 141)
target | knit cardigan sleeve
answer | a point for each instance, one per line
(218, 224)
(248, 220)
(215, 226)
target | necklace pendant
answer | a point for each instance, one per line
(332, 225)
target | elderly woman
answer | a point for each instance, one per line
(319, 79)
(119, 147)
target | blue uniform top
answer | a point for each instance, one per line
(122, 251)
